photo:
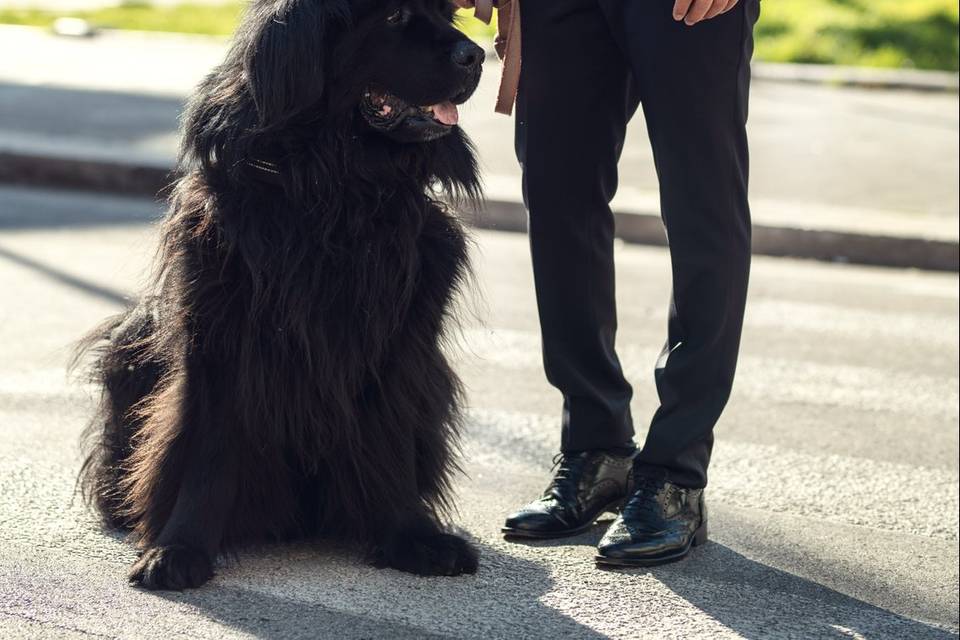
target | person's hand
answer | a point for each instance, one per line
(464, 4)
(694, 11)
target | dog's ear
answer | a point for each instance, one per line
(286, 51)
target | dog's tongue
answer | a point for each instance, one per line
(446, 112)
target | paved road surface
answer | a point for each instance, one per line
(834, 489)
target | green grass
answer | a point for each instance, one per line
(881, 33)
(918, 34)
(474, 28)
(217, 20)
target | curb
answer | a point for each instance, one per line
(788, 242)
(83, 174)
(863, 77)
(640, 227)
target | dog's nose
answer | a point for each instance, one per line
(467, 54)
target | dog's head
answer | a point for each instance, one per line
(399, 67)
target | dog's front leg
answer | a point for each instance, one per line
(181, 556)
(421, 393)
(426, 550)
(409, 535)
(190, 541)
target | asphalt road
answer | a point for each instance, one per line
(834, 487)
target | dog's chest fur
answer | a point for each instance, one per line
(320, 314)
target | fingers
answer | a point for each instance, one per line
(730, 5)
(694, 11)
(464, 4)
(698, 11)
(680, 8)
(719, 6)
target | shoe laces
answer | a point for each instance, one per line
(566, 474)
(641, 500)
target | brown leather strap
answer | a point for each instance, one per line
(508, 48)
(484, 10)
(507, 45)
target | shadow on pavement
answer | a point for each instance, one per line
(62, 277)
(735, 590)
(267, 616)
(23, 208)
(311, 592)
(720, 581)
(318, 594)
(110, 116)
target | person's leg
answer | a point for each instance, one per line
(694, 85)
(576, 96)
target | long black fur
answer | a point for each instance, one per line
(284, 374)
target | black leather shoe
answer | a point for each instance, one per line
(585, 485)
(660, 523)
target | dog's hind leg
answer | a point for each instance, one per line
(127, 374)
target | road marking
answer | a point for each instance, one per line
(838, 321)
(760, 378)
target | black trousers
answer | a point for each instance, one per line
(587, 66)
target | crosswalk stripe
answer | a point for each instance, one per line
(906, 327)
(761, 378)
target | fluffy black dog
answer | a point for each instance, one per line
(284, 376)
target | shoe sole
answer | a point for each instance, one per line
(699, 538)
(613, 507)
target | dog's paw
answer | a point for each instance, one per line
(428, 554)
(173, 568)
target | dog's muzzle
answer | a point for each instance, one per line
(396, 118)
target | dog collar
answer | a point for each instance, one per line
(265, 170)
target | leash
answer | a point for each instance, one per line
(507, 45)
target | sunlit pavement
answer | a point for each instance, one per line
(833, 492)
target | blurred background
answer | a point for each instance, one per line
(920, 34)
(835, 489)
(853, 125)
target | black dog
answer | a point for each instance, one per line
(284, 375)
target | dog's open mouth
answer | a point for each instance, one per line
(386, 110)
(403, 121)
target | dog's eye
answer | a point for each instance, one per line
(399, 17)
